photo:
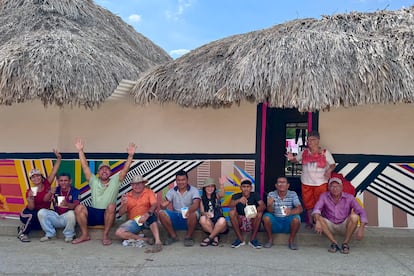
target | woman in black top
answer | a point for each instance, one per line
(212, 220)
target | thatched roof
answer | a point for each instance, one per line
(345, 59)
(68, 52)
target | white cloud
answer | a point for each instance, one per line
(135, 18)
(178, 53)
(182, 6)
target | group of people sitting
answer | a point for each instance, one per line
(182, 209)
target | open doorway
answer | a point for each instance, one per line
(286, 129)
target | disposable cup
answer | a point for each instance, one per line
(137, 220)
(184, 212)
(60, 199)
(34, 190)
(283, 210)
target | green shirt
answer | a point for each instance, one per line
(102, 196)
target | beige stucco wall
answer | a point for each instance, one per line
(379, 129)
(155, 128)
(29, 127)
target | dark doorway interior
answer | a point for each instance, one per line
(280, 124)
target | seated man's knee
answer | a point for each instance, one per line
(80, 209)
(70, 216)
(111, 208)
(266, 219)
(41, 213)
(233, 213)
(119, 232)
(354, 217)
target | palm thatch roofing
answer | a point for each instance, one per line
(68, 52)
(308, 64)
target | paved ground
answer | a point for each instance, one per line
(382, 252)
(91, 258)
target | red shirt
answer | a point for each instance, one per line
(38, 199)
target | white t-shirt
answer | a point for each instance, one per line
(312, 175)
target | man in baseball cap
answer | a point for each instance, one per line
(104, 191)
(337, 212)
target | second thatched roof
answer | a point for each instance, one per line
(308, 64)
(68, 52)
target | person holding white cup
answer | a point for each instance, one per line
(65, 201)
(38, 197)
(284, 209)
(183, 195)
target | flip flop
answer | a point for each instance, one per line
(106, 242)
(80, 240)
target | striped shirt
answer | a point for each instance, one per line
(291, 201)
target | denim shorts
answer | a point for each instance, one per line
(133, 227)
(281, 224)
(177, 220)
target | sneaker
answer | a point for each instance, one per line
(46, 238)
(68, 239)
(268, 245)
(237, 243)
(255, 244)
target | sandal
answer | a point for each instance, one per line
(23, 238)
(215, 241)
(170, 240)
(205, 242)
(188, 241)
(155, 249)
(345, 248)
(333, 248)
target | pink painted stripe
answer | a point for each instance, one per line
(9, 176)
(14, 200)
(263, 149)
(310, 121)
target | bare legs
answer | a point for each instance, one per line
(81, 213)
(213, 229)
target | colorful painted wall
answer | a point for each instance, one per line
(385, 189)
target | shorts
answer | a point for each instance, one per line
(281, 224)
(310, 194)
(96, 216)
(177, 220)
(339, 228)
(245, 224)
(133, 227)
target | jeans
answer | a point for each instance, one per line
(50, 220)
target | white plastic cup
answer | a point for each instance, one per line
(34, 190)
(184, 211)
(283, 210)
(60, 199)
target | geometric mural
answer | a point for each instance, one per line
(385, 189)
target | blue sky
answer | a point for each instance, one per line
(179, 26)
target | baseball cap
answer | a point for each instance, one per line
(103, 164)
(34, 172)
(335, 179)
